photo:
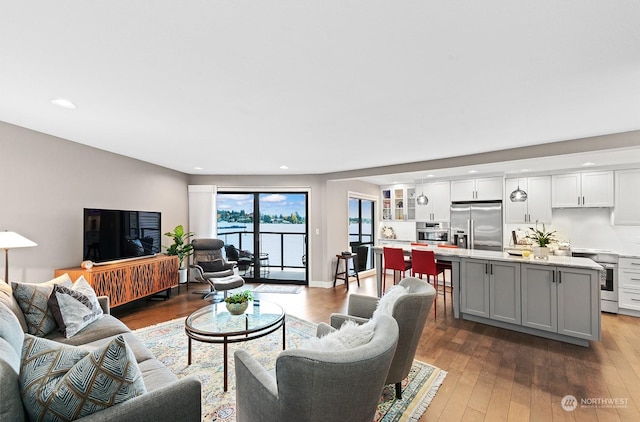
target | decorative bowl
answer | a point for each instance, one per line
(237, 308)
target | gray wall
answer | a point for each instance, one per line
(45, 182)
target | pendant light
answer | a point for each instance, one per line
(518, 195)
(422, 198)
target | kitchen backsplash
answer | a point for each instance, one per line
(588, 228)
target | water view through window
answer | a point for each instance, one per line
(268, 228)
(361, 229)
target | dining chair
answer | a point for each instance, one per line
(394, 260)
(424, 263)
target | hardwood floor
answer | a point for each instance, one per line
(493, 374)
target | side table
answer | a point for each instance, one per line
(344, 275)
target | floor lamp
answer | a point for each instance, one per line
(10, 240)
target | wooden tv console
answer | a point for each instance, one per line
(127, 281)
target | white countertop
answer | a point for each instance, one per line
(565, 261)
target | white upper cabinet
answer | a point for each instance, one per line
(398, 203)
(437, 209)
(537, 207)
(627, 200)
(592, 189)
(483, 189)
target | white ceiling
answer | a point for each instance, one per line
(320, 86)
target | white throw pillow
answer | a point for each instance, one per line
(74, 307)
(349, 336)
(386, 303)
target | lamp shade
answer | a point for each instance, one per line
(10, 240)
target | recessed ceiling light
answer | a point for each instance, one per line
(198, 168)
(589, 163)
(283, 167)
(473, 171)
(64, 103)
(525, 170)
(431, 175)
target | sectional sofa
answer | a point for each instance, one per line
(164, 396)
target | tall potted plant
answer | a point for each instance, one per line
(181, 247)
(542, 238)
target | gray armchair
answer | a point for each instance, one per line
(410, 311)
(312, 386)
(211, 267)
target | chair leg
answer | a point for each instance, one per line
(399, 390)
(435, 299)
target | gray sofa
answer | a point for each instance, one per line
(167, 397)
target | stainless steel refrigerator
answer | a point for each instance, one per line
(477, 225)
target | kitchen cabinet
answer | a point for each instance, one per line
(439, 195)
(482, 189)
(561, 300)
(590, 189)
(474, 287)
(491, 289)
(629, 283)
(627, 201)
(398, 203)
(537, 207)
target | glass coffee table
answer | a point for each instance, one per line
(214, 324)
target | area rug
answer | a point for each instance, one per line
(277, 288)
(168, 342)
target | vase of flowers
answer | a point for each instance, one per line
(542, 239)
(238, 302)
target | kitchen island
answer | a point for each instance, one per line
(557, 297)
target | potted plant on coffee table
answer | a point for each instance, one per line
(541, 238)
(181, 247)
(238, 302)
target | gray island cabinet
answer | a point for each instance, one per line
(557, 298)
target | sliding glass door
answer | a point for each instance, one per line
(271, 229)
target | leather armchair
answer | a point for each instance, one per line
(410, 311)
(310, 386)
(211, 267)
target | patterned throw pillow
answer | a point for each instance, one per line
(33, 299)
(74, 308)
(63, 382)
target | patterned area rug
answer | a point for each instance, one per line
(168, 342)
(277, 288)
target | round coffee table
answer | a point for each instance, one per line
(214, 324)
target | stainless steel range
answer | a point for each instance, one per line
(609, 279)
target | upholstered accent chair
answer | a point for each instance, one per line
(211, 267)
(410, 311)
(314, 385)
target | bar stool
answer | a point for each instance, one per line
(344, 275)
(394, 260)
(424, 262)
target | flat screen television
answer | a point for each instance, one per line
(112, 235)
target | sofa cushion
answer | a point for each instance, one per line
(74, 307)
(105, 327)
(62, 382)
(11, 339)
(6, 297)
(33, 300)
(349, 336)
